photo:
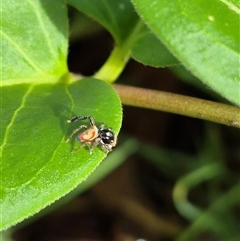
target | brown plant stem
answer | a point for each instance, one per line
(179, 104)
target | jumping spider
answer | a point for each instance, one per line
(93, 136)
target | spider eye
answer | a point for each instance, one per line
(106, 136)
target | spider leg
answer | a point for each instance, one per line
(77, 118)
(94, 143)
(79, 147)
(106, 148)
(101, 127)
(75, 131)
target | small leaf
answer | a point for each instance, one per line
(37, 165)
(33, 39)
(203, 35)
(149, 50)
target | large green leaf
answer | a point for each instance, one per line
(33, 39)
(203, 35)
(37, 165)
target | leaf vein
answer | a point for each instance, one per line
(43, 28)
(231, 6)
(15, 115)
(25, 56)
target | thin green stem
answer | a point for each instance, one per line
(114, 65)
(211, 219)
(188, 182)
(119, 57)
(179, 104)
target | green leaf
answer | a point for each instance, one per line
(203, 35)
(33, 39)
(118, 17)
(130, 34)
(149, 50)
(37, 165)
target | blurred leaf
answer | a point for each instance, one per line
(81, 26)
(122, 22)
(6, 236)
(37, 165)
(118, 18)
(203, 35)
(33, 39)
